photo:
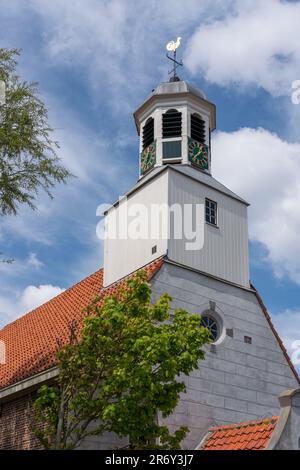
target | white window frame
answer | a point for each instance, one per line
(215, 208)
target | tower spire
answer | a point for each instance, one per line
(172, 46)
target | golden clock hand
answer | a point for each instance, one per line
(198, 153)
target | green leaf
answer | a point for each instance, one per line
(28, 158)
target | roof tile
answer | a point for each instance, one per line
(251, 435)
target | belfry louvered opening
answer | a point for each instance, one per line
(171, 124)
(148, 133)
(197, 128)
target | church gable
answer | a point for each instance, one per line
(246, 367)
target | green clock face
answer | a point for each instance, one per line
(198, 154)
(148, 158)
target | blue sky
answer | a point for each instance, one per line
(95, 62)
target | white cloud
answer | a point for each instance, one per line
(264, 169)
(119, 45)
(71, 213)
(33, 261)
(21, 267)
(34, 296)
(14, 304)
(119, 50)
(256, 43)
(7, 310)
(287, 324)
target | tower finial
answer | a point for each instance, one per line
(172, 46)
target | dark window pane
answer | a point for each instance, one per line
(211, 325)
(172, 149)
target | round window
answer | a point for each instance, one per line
(211, 324)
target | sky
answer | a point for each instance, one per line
(96, 61)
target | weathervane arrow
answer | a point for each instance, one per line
(172, 46)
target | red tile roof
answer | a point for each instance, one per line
(31, 341)
(250, 435)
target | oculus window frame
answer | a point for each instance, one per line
(209, 321)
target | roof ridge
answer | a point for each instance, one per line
(224, 189)
(280, 342)
(73, 286)
(244, 424)
(158, 260)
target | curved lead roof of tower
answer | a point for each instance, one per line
(177, 87)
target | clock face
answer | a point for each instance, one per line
(198, 154)
(148, 158)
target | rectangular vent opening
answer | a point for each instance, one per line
(229, 332)
(197, 128)
(171, 124)
(148, 133)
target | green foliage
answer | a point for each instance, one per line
(123, 372)
(28, 160)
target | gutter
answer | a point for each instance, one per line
(27, 385)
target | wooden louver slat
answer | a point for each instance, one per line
(148, 133)
(198, 128)
(171, 124)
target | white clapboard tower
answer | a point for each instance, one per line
(246, 367)
(175, 124)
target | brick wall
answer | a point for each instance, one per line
(16, 420)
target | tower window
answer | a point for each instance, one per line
(197, 128)
(171, 124)
(211, 212)
(148, 133)
(210, 323)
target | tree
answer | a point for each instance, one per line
(28, 159)
(122, 372)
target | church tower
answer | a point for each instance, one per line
(190, 233)
(175, 172)
(178, 212)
